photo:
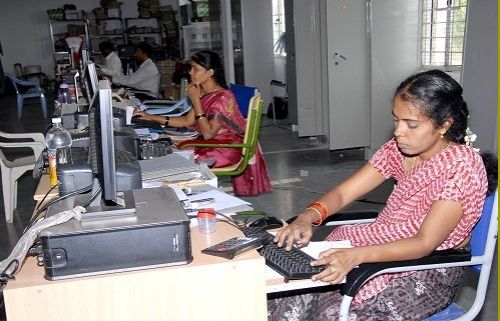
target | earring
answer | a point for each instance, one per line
(442, 135)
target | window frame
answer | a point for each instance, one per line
(446, 65)
(279, 28)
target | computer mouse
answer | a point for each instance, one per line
(267, 223)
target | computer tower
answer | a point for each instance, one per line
(156, 235)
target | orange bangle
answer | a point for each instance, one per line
(316, 223)
(322, 209)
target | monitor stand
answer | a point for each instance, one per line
(98, 208)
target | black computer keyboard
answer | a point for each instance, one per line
(293, 264)
(149, 149)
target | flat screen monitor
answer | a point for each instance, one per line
(117, 172)
(90, 80)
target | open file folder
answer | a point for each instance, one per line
(166, 107)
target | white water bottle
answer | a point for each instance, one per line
(59, 144)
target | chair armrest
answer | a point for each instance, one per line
(35, 146)
(351, 215)
(36, 137)
(360, 275)
(218, 143)
(346, 216)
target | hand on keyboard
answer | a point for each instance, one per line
(292, 264)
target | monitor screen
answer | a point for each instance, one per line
(90, 80)
(101, 140)
(116, 171)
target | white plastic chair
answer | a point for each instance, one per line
(480, 258)
(13, 169)
(27, 89)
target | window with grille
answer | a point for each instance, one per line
(279, 27)
(443, 30)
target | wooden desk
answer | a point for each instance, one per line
(209, 288)
(43, 187)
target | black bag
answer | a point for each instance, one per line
(281, 107)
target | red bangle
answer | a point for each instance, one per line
(321, 209)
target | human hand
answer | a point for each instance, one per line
(142, 115)
(299, 232)
(193, 91)
(338, 262)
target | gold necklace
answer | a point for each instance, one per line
(414, 159)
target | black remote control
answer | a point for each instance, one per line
(234, 246)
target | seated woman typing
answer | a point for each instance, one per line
(440, 191)
(215, 115)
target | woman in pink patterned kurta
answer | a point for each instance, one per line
(215, 115)
(441, 187)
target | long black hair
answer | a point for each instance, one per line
(439, 97)
(211, 60)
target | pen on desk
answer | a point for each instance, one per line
(204, 200)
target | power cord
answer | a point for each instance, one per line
(92, 197)
(55, 200)
(46, 194)
(36, 217)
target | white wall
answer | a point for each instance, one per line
(24, 29)
(394, 56)
(479, 73)
(258, 55)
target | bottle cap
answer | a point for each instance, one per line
(63, 86)
(206, 213)
(56, 120)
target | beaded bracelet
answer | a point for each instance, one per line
(167, 119)
(200, 116)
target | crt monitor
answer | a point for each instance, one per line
(117, 172)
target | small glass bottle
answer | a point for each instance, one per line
(206, 220)
(63, 94)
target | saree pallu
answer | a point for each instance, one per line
(222, 107)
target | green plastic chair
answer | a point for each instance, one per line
(248, 146)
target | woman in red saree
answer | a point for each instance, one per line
(215, 115)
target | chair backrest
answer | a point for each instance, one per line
(243, 95)
(480, 231)
(13, 79)
(25, 83)
(253, 125)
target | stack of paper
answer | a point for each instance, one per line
(222, 202)
(161, 168)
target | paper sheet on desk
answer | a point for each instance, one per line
(223, 202)
(178, 191)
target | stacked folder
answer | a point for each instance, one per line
(166, 167)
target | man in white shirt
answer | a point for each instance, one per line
(112, 63)
(146, 77)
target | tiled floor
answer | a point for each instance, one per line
(301, 169)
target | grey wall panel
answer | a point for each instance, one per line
(480, 71)
(394, 56)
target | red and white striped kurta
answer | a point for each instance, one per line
(456, 174)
